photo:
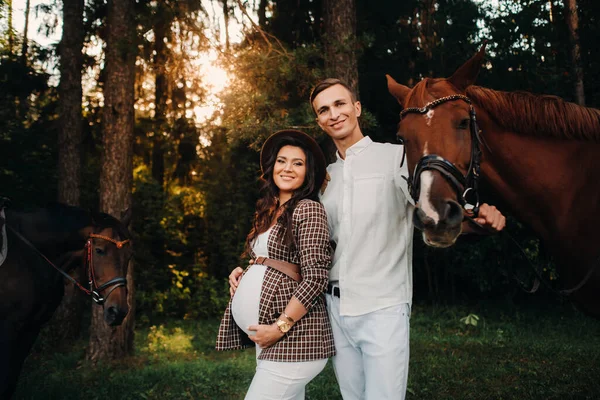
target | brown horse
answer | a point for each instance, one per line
(37, 247)
(540, 154)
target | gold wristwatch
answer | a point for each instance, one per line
(283, 326)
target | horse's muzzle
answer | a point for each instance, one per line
(114, 315)
(446, 230)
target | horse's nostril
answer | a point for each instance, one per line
(454, 213)
(113, 316)
(421, 219)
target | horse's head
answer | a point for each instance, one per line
(440, 135)
(108, 251)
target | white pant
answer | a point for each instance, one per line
(372, 350)
(275, 380)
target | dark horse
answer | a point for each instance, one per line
(39, 243)
(539, 153)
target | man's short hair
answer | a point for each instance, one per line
(326, 84)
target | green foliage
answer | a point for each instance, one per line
(27, 131)
(263, 100)
(228, 176)
(260, 101)
(529, 51)
(470, 320)
(175, 342)
(172, 281)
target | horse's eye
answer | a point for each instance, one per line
(464, 124)
(100, 251)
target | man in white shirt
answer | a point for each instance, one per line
(370, 213)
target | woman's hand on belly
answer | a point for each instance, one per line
(266, 335)
(234, 280)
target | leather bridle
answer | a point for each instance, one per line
(465, 186)
(94, 290)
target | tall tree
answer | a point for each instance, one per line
(66, 321)
(25, 29)
(116, 177)
(11, 36)
(162, 31)
(339, 17)
(572, 19)
(262, 13)
(70, 95)
(226, 23)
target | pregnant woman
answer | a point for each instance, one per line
(278, 303)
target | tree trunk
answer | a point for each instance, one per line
(70, 95)
(66, 322)
(160, 95)
(116, 177)
(226, 23)
(162, 31)
(340, 42)
(262, 13)
(25, 29)
(573, 23)
(11, 36)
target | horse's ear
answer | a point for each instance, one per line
(126, 218)
(466, 75)
(397, 90)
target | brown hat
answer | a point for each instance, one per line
(272, 142)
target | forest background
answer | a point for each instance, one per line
(210, 80)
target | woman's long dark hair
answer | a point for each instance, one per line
(268, 203)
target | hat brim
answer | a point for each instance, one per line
(320, 162)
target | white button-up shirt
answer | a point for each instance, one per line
(370, 214)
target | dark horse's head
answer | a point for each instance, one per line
(107, 254)
(440, 135)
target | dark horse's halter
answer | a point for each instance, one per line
(95, 291)
(465, 186)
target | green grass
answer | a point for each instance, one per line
(518, 355)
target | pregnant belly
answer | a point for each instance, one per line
(245, 302)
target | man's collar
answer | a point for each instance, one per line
(356, 148)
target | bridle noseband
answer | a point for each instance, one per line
(95, 290)
(465, 186)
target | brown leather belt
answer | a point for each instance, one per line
(289, 269)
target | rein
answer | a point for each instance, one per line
(465, 186)
(539, 278)
(94, 290)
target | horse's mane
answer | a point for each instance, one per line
(61, 217)
(538, 115)
(73, 217)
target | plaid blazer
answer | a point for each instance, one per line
(310, 338)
